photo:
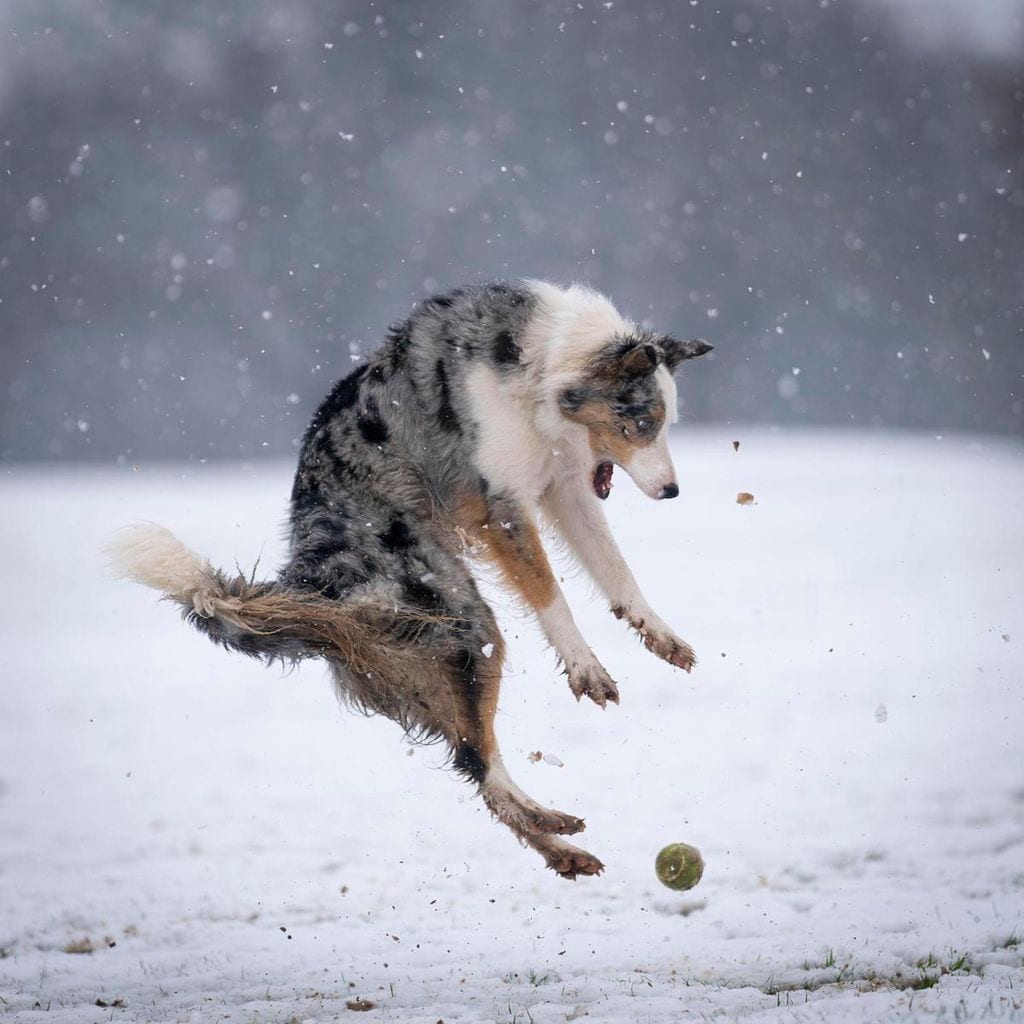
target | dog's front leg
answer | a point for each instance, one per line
(575, 513)
(511, 536)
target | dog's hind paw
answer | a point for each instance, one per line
(553, 822)
(565, 859)
(594, 682)
(569, 864)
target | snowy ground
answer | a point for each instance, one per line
(229, 846)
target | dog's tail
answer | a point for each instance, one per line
(265, 619)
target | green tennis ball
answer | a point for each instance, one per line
(679, 866)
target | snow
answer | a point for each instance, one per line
(847, 756)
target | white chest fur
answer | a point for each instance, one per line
(514, 454)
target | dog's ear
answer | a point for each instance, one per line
(675, 351)
(639, 359)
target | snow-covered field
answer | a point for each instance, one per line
(188, 836)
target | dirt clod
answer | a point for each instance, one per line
(83, 945)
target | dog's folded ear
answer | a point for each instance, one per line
(675, 351)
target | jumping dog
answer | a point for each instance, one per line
(489, 408)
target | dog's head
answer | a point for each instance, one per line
(626, 398)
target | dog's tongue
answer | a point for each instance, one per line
(603, 479)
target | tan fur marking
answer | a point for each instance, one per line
(489, 681)
(606, 438)
(522, 561)
(516, 550)
(470, 514)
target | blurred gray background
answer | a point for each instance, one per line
(208, 211)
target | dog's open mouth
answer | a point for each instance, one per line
(603, 479)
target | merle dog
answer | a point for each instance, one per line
(488, 408)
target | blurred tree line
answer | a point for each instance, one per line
(210, 211)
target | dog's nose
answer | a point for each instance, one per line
(669, 491)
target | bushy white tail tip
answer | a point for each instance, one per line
(151, 555)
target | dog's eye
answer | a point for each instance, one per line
(572, 400)
(625, 430)
(643, 426)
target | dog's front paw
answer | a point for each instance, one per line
(670, 648)
(592, 680)
(660, 640)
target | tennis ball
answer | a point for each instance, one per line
(679, 866)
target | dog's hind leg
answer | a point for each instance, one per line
(460, 703)
(442, 680)
(535, 825)
(511, 806)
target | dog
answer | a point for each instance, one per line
(489, 408)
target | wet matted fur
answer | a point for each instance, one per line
(489, 408)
